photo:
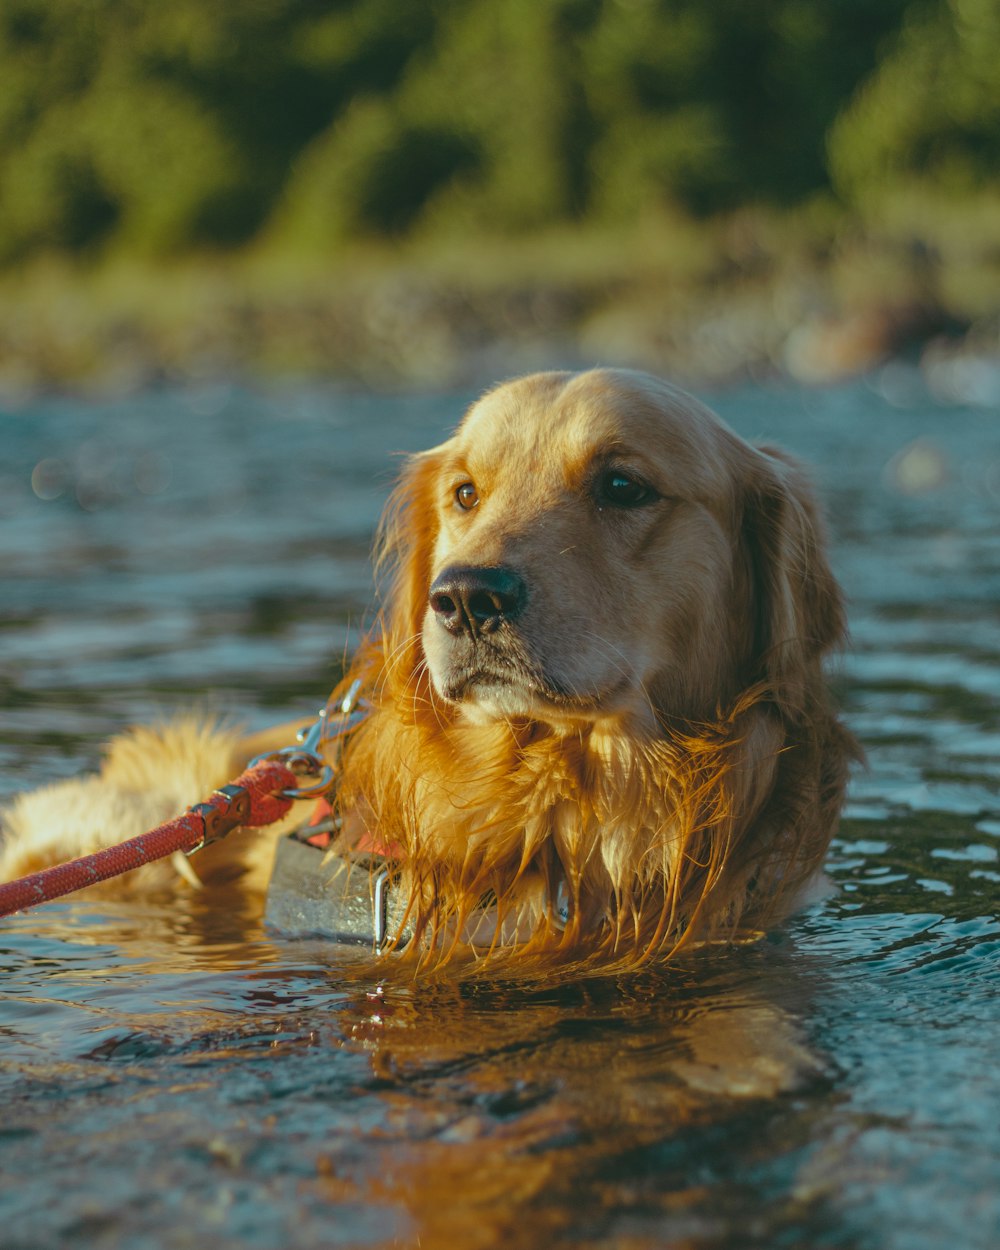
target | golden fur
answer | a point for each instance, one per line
(650, 740)
(598, 702)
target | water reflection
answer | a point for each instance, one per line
(449, 1112)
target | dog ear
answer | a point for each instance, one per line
(798, 609)
(404, 550)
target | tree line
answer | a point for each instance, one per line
(138, 127)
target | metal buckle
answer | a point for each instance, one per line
(218, 821)
(380, 908)
(332, 723)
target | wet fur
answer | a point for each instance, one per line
(694, 801)
(700, 807)
(149, 774)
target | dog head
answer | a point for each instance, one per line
(599, 548)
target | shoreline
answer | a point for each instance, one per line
(391, 325)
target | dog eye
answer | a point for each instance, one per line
(618, 489)
(466, 496)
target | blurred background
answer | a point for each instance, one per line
(249, 249)
(411, 193)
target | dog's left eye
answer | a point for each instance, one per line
(618, 489)
(466, 496)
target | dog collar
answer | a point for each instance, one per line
(353, 900)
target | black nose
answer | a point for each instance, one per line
(475, 600)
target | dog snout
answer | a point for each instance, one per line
(476, 600)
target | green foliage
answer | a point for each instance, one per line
(133, 127)
(161, 128)
(725, 103)
(929, 117)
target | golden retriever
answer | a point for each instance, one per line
(599, 719)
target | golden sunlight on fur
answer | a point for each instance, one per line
(600, 724)
(597, 676)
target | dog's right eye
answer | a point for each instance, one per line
(466, 496)
(618, 489)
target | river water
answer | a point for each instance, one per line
(182, 1078)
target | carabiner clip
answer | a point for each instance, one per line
(332, 723)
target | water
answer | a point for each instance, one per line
(181, 1078)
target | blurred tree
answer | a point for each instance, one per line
(929, 116)
(493, 91)
(715, 104)
(164, 128)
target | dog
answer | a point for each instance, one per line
(599, 720)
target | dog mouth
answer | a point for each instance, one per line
(471, 680)
(512, 686)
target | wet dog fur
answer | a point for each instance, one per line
(598, 699)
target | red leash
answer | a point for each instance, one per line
(253, 799)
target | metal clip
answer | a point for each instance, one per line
(332, 723)
(218, 821)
